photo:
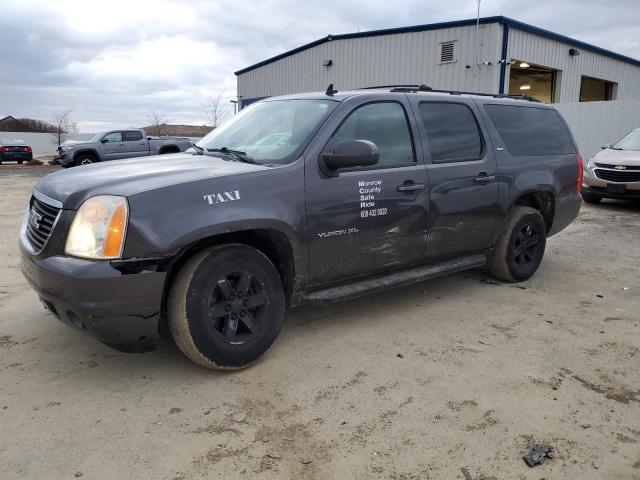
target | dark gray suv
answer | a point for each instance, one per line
(307, 198)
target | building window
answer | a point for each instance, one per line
(447, 52)
(533, 80)
(596, 90)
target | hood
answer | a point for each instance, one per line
(73, 142)
(127, 177)
(618, 157)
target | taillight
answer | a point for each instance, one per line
(580, 172)
(4, 149)
(27, 149)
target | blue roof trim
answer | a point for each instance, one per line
(436, 26)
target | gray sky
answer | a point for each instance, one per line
(114, 61)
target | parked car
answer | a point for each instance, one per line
(372, 189)
(116, 145)
(15, 151)
(614, 172)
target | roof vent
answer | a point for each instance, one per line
(447, 52)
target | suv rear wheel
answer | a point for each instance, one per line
(226, 307)
(520, 247)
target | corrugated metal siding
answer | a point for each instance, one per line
(404, 58)
(551, 53)
(596, 123)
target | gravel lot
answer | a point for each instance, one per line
(412, 384)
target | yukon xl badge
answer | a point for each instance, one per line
(223, 197)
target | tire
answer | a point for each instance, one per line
(85, 159)
(512, 260)
(591, 198)
(208, 314)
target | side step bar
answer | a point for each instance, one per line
(361, 288)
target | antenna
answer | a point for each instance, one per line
(476, 34)
(330, 91)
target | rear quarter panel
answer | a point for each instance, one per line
(518, 176)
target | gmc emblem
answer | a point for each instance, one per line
(34, 219)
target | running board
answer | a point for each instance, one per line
(360, 288)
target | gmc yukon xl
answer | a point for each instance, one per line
(301, 199)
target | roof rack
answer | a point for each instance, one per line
(426, 88)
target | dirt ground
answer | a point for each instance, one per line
(412, 384)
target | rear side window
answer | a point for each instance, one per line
(385, 124)
(452, 132)
(132, 136)
(530, 131)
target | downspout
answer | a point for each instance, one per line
(503, 57)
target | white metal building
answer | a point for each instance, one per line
(498, 55)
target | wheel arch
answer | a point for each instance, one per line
(540, 199)
(169, 149)
(89, 151)
(273, 243)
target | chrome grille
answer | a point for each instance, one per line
(621, 176)
(39, 222)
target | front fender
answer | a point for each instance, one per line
(166, 220)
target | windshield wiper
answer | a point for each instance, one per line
(616, 148)
(237, 154)
(197, 148)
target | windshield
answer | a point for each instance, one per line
(96, 137)
(272, 131)
(631, 141)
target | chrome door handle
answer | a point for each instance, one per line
(410, 187)
(485, 178)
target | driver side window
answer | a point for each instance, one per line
(385, 124)
(113, 137)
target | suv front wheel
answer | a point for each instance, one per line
(226, 307)
(521, 245)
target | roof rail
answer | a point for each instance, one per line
(401, 88)
(426, 88)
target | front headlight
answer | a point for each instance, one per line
(99, 228)
(66, 148)
(591, 164)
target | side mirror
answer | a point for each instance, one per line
(350, 154)
(103, 140)
(605, 146)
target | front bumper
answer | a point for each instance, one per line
(118, 306)
(63, 159)
(618, 190)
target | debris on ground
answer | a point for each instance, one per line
(488, 281)
(537, 453)
(467, 475)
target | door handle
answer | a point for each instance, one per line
(410, 187)
(484, 178)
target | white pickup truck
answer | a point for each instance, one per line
(115, 145)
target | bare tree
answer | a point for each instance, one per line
(156, 119)
(61, 121)
(216, 110)
(35, 125)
